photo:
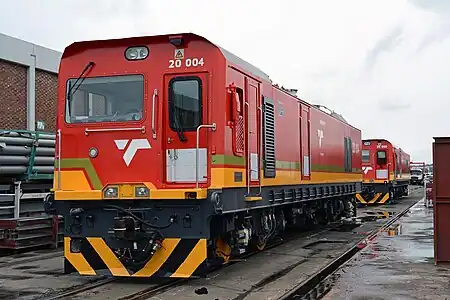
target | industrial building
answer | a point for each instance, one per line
(28, 85)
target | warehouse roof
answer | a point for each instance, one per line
(22, 52)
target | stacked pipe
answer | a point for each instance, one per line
(26, 155)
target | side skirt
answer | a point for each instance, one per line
(232, 200)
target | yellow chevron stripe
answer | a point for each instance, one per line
(360, 199)
(385, 198)
(375, 198)
(159, 258)
(77, 259)
(108, 257)
(192, 261)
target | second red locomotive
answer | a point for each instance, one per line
(385, 170)
(174, 154)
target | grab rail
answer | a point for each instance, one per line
(87, 130)
(213, 127)
(261, 138)
(247, 138)
(59, 159)
(155, 93)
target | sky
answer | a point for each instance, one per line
(384, 65)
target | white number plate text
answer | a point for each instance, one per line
(186, 63)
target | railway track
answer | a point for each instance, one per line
(320, 284)
(80, 289)
(316, 286)
(154, 289)
(303, 269)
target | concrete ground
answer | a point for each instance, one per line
(397, 265)
(267, 275)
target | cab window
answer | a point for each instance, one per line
(105, 99)
(185, 103)
(365, 156)
(381, 157)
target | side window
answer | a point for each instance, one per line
(365, 156)
(237, 115)
(185, 103)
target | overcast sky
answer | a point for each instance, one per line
(384, 64)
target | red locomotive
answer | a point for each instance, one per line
(174, 154)
(385, 171)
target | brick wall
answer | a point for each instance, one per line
(46, 96)
(13, 97)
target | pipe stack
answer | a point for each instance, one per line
(26, 155)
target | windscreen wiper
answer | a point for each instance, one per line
(71, 87)
(178, 126)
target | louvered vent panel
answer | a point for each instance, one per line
(269, 139)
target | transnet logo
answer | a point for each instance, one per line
(366, 169)
(133, 147)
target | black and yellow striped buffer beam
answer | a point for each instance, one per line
(176, 258)
(378, 198)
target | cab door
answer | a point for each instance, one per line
(305, 142)
(184, 110)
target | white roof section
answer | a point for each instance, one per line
(234, 59)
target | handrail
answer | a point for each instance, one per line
(260, 167)
(155, 93)
(213, 127)
(59, 159)
(247, 146)
(87, 130)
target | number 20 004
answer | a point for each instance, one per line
(188, 62)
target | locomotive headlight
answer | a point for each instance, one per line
(136, 53)
(93, 152)
(111, 192)
(141, 191)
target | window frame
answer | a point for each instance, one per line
(144, 102)
(368, 156)
(170, 101)
(385, 159)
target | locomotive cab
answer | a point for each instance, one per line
(385, 172)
